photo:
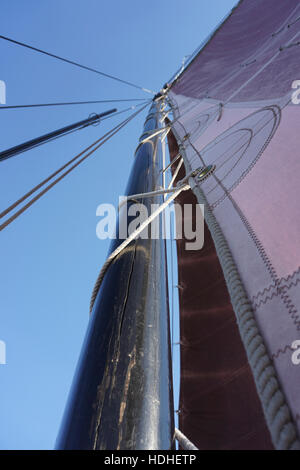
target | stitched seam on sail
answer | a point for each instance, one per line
(282, 440)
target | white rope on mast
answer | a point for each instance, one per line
(175, 173)
(171, 163)
(184, 442)
(149, 194)
(183, 185)
(131, 237)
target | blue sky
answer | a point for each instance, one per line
(50, 256)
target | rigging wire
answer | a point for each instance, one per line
(38, 144)
(15, 204)
(45, 138)
(127, 109)
(76, 64)
(174, 355)
(98, 144)
(68, 103)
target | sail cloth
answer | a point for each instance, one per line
(233, 107)
(215, 376)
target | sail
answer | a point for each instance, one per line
(235, 108)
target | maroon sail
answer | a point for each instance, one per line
(235, 106)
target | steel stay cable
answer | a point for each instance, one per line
(76, 64)
(16, 203)
(39, 105)
(79, 128)
(126, 109)
(102, 140)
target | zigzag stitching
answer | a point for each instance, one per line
(264, 301)
(291, 309)
(281, 351)
(277, 292)
(266, 375)
(272, 286)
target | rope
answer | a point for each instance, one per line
(127, 109)
(276, 411)
(131, 237)
(172, 297)
(17, 106)
(76, 64)
(182, 185)
(102, 140)
(175, 173)
(171, 163)
(152, 134)
(170, 251)
(163, 157)
(184, 442)
(142, 195)
(82, 127)
(15, 204)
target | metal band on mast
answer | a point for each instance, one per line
(122, 397)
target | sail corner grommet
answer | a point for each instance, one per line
(205, 172)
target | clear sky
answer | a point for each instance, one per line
(50, 256)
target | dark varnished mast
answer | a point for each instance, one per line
(121, 396)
